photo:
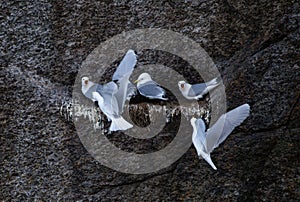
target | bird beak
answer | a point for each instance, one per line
(86, 82)
(136, 81)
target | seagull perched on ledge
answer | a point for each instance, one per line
(206, 142)
(196, 91)
(111, 96)
(149, 88)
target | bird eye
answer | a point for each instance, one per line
(182, 85)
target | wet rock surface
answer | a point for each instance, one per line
(255, 45)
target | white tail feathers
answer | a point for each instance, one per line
(209, 161)
(212, 84)
(119, 124)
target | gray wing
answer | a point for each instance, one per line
(109, 88)
(151, 89)
(197, 89)
(126, 66)
(201, 135)
(225, 125)
(92, 89)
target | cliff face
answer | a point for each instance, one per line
(255, 45)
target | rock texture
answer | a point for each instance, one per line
(255, 45)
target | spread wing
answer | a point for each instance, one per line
(199, 140)
(121, 94)
(126, 66)
(122, 75)
(225, 125)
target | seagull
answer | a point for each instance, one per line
(196, 91)
(206, 142)
(111, 96)
(149, 88)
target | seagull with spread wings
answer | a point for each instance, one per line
(111, 96)
(206, 141)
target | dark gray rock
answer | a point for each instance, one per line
(255, 45)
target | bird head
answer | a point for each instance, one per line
(85, 81)
(143, 78)
(181, 85)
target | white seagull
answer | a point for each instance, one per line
(206, 142)
(196, 91)
(149, 88)
(110, 96)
